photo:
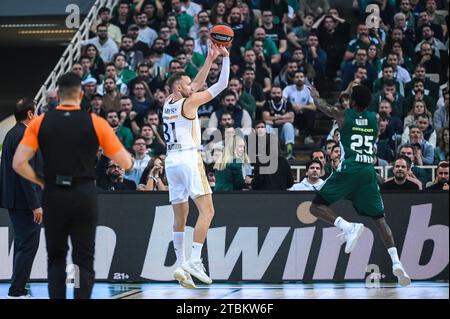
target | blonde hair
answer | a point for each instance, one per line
(425, 110)
(230, 153)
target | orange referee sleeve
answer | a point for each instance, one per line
(107, 139)
(30, 137)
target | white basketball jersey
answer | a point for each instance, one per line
(180, 133)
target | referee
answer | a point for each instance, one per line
(69, 139)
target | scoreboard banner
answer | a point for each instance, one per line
(258, 237)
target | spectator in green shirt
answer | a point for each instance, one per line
(246, 100)
(123, 133)
(124, 74)
(270, 48)
(188, 67)
(230, 169)
(196, 58)
(185, 21)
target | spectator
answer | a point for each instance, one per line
(387, 74)
(141, 98)
(314, 7)
(297, 36)
(286, 75)
(201, 21)
(416, 172)
(384, 150)
(407, 43)
(279, 114)
(419, 108)
(104, 16)
(154, 177)
(154, 142)
(261, 59)
(441, 151)
(431, 63)
(153, 77)
(97, 64)
(114, 179)
(158, 56)
(317, 58)
(229, 170)
(123, 72)
(424, 150)
(261, 74)
(123, 133)
(77, 69)
(303, 66)
(373, 58)
(403, 59)
(191, 8)
(242, 32)
(51, 100)
(141, 160)
(441, 115)
(434, 17)
(333, 38)
(201, 42)
(270, 48)
(349, 68)
(190, 69)
(85, 62)
(274, 31)
(312, 181)
(185, 21)
(424, 19)
(111, 72)
(89, 89)
(97, 105)
(362, 41)
(245, 100)
(401, 180)
(390, 94)
(154, 11)
(410, 18)
(401, 74)
(133, 57)
(146, 34)
(279, 8)
(303, 105)
(252, 87)
(419, 95)
(138, 45)
(195, 58)
(319, 155)
(334, 159)
(218, 12)
(431, 88)
(111, 98)
(106, 46)
(441, 181)
(128, 117)
(280, 180)
(169, 33)
(123, 18)
(241, 117)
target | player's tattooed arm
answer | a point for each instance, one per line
(329, 110)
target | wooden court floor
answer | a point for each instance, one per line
(417, 290)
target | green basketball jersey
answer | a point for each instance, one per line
(358, 136)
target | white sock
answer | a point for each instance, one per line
(178, 244)
(196, 251)
(394, 256)
(342, 224)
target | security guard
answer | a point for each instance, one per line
(69, 139)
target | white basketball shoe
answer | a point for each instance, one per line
(196, 269)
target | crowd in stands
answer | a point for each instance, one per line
(281, 50)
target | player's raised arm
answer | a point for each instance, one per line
(200, 79)
(195, 100)
(329, 110)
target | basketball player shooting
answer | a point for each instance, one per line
(355, 178)
(184, 166)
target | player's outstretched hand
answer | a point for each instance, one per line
(222, 50)
(213, 51)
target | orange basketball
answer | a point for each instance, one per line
(222, 34)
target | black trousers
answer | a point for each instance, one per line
(306, 121)
(26, 243)
(70, 211)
